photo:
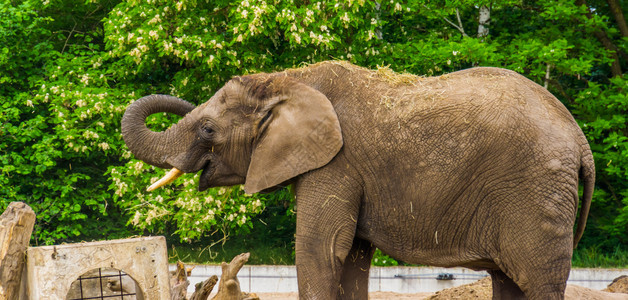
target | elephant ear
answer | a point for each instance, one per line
(299, 132)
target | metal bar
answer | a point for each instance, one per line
(105, 276)
(121, 290)
(100, 276)
(100, 297)
(81, 286)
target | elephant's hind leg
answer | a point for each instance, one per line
(355, 271)
(504, 287)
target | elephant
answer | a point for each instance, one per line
(477, 168)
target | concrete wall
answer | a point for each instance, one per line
(52, 269)
(268, 279)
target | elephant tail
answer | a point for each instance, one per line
(587, 175)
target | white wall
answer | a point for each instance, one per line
(269, 279)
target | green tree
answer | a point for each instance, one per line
(69, 68)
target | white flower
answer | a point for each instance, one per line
(242, 208)
(85, 79)
(345, 18)
(88, 134)
(455, 53)
(104, 146)
(29, 103)
(136, 217)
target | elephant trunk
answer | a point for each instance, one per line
(149, 146)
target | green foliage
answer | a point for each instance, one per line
(382, 260)
(594, 257)
(270, 241)
(69, 68)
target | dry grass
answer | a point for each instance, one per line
(382, 72)
(394, 78)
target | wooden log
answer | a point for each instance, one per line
(179, 282)
(229, 286)
(16, 226)
(203, 289)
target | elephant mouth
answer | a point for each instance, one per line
(208, 171)
(174, 173)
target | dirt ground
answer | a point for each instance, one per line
(372, 296)
(482, 289)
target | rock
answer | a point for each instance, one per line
(619, 285)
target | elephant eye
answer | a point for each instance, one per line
(207, 130)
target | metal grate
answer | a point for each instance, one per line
(97, 285)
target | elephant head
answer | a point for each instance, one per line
(258, 130)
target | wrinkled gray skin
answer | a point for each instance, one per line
(478, 168)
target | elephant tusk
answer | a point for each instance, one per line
(167, 179)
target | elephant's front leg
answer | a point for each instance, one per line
(327, 213)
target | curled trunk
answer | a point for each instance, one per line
(152, 147)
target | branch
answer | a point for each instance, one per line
(68, 38)
(459, 26)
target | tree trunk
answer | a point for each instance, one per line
(16, 226)
(603, 38)
(484, 20)
(618, 13)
